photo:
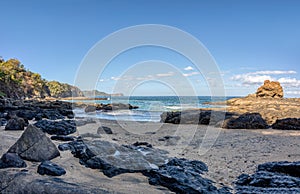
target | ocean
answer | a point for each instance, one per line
(150, 107)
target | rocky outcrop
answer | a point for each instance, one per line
(246, 121)
(270, 89)
(194, 117)
(34, 145)
(50, 168)
(33, 110)
(287, 124)
(179, 175)
(63, 127)
(11, 160)
(109, 107)
(63, 90)
(271, 177)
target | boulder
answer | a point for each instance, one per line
(63, 138)
(63, 127)
(271, 177)
(12, 160)
(104, 130)
(271, 89)
(246, 121)
(183, 176)
(50, 168)
(15, 124)
(90, 108)
(287, 124)
(34, 145)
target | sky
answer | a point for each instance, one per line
(250, 41)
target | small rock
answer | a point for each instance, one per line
(50, 168)
(104, 129)
(287, 124)
(63, 127)
(63, 138)
(142, 144)
(12, 160)
(15, 124)
(90, 108)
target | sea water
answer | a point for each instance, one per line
(150, 107)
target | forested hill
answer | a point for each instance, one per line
(17, 82)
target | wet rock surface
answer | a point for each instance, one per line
(271, 177)
(108, 107)
(34, 145)
(287, 124)
(246, 121)
(50, 168)
(63, 127)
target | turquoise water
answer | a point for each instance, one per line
(150, 107)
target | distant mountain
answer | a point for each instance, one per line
(17, 82)
(93, 93)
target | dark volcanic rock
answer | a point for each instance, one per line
(63, 138)
(287, 124)
(24, 182)
(15, 124)
(12, 160)
(50, 168)
(104, 130)
(194, 117)
(246, 121)
(271, 177)
(179, 175)
(34, 145)
(114, 159)
(63, 127)
(183, 176)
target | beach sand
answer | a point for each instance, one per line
(227, 152)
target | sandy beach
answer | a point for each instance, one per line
(233, 152)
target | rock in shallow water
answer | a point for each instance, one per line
(50, 168)
(34, 145)
(271, 177)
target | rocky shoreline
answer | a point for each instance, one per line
(45, 150)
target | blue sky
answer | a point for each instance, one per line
(250, 40)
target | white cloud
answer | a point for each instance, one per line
(258, 77)
(249, 79)
(272, 72)
(115, 78)
(289, 82)
(165, 74)
(293, 92)
(188, 68)
(191, 74)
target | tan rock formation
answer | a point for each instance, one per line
(270, 89)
